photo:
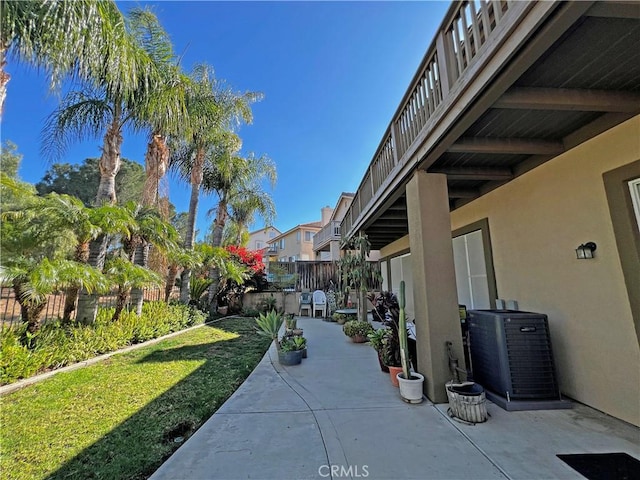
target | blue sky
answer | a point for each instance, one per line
(332, 75)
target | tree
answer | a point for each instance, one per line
(237, 181)
(62, 37)
(10, 159)
(149, 229)
(127, 276)
(355, 271)
(112, 100)
(82, 180)
(35, 245)
(212, 111)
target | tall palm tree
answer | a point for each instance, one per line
(243, 210)
(213, 112)
(61, 37)
(237, 180)
(108, 104)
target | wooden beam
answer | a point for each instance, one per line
(528, 98)
(463, 193)
(615, 10)
(475, 173)
(518, 146)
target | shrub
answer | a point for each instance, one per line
(357, 327)
(54, 346)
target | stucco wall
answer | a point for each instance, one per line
(536, 222)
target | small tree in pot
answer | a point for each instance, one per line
(410, 382)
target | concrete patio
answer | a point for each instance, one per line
(337, 416)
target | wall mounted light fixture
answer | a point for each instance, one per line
(586, 250)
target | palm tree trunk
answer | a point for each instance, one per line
(156, 161)
(120, 304)
(109, 167)
(196, 181)
(4, 78)
(141, 258)
(171, 280)
(214, 273)
(29, 311)
(88, 303)
(71, 295)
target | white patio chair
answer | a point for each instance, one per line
(319, 303)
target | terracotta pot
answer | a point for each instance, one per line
(359, 338)
(393, 373)
(223, 310)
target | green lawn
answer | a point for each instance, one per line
(120, 418)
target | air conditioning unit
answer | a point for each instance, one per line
(511, 358)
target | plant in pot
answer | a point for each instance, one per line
(301, 344)
(377, 339)
(410, 382)
(357, 330)
(340, 318)
(268, 324)
(291, 351)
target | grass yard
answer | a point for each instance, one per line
(123, 417)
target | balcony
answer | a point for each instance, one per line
(329, 233)
(504, 87)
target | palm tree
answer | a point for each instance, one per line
(86, 224)
(35, 242)
(150, 229)
(105, 107)
(243, 210)
(128, 276)
(238, 181)
(213, 111)
(62, 37)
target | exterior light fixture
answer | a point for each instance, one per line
(586, 250)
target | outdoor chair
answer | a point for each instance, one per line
(306, 303)
(319, 303)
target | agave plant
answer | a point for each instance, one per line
(269, 325)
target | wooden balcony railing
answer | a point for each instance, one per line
(331, 231)
(466, 29)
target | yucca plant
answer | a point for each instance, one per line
(269, 325)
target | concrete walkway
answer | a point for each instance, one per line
(337, 416)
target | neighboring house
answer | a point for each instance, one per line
(295, 244)
(259, 239)
(518, 141)
(326, 243)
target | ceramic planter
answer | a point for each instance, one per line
(411, 389)
(290, 358)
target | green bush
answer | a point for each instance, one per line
(55, 346)
(357, 327)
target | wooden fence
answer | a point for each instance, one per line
(307, 275)
(10, 308)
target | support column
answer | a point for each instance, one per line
(434, 284)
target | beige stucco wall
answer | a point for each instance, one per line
(301, 249)
(536, 221)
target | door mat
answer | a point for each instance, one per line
(604, 466)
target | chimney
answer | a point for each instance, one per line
(326, 214)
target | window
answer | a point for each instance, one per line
(298, 236)
(308, 236)
(259, 245)
(282, 244)
(634, 188)
(272, 234)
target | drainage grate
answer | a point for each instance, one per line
(604, 466)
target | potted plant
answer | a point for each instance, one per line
(410, 382)
(340, 318)
(289, 353)
(301, 344)
(357, 330)
(376, 339)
